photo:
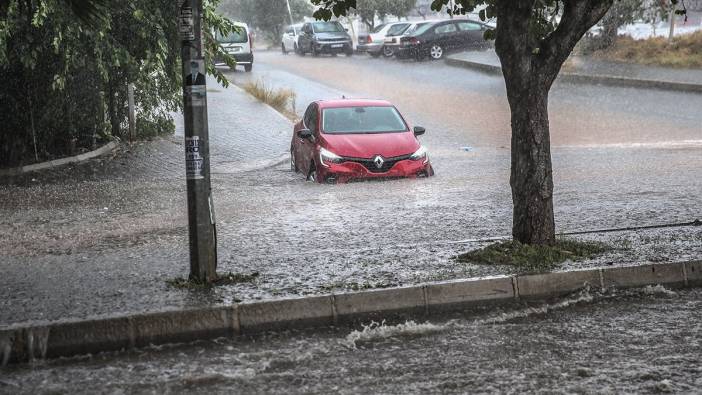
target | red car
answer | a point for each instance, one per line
(347, 140)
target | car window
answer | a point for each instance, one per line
(313, 119)
(362, 119)
(378, 28)
(398, 29)
(423, 28)
(447, 28)
(468, 26)
(308, 115)
(327, 27)
(235, 37)
(289, 30)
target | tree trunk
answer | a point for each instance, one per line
(530, 64)
(531, 176)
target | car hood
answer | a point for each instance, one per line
(371, 144)
(329, 36)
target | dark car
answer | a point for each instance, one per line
(324, 37)
(436, 39)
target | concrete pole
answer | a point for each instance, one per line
(292, 22)
(201, 221)
(131, 115)
(671, 22)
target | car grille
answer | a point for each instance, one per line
(370, 165)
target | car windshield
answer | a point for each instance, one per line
(398, 29)
(421, 29)
(370, 119)
(327, 27)
(236, 36)
(378, 28)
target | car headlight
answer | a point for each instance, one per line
(420, 154)
(326, 156)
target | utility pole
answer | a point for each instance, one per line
(292, 22)
(671, 22)
(201, 222)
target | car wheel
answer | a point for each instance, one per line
(282, 47)
(312, 175)
(314, 50)
(349, 52)
(293, 165)
(248, 67)
(436, 52)
(387, 51)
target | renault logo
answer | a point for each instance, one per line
(378, 160)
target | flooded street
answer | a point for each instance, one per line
(104, 237)
(640, 341)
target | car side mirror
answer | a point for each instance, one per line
(304, 133)
(418, 130)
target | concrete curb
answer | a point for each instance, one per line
(577, 78)
(21, 343)
(59, 162)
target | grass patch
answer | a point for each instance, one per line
(283, 100)
(533, 259)
(226, 279)
(682, 52)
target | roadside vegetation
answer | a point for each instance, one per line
(683, 51)
(225, 279)
(281, 99)
(534, 258)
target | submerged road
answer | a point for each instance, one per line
(639, 341)
(103, 237)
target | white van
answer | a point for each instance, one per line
(239, 45)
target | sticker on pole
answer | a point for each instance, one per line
(194, 161)
(195, 90)
(186, 24)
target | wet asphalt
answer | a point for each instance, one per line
(103, 237)
(639, 341)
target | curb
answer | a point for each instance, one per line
(22, 343)
(586, 78)
(59, 162)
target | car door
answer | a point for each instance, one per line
(288, 39)
(305, 147)
(303, 42)
(445, 35)
(471, 34)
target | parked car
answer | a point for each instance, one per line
(324, 37)
(393, 37)
(239, 44)
(289, 40)
(346, 140)
(374, 42)
(436, 39)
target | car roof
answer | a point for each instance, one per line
(340, 103)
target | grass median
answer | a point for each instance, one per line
(683, 51)
(534, 258)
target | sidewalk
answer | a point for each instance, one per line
(588, 70)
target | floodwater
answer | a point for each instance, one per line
(103, 237)
(647, 340)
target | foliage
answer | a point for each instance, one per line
(529, 258)
(367, 10)
(69, 78)
(683, 51)
(270, 17)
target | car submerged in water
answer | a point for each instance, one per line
(345, 140)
